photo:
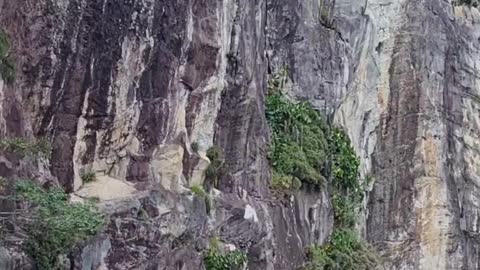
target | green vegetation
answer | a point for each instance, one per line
(214, 259)
(215, 156)
(215, 243)
(7, 68)
(194, 147)
(199, 191)
(344, 252)
(346, 189)
(88, 176)
(23, 147)
(299, 143)
(3, 184)
(214, 153)
(324, 15)
(304, 148)
(56, 225)
(285, 182)
(471, 3)
(52, 225)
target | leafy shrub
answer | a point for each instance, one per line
(215, 156)
(215, 260)
(346, 188)
(194, 147)
(325, 18)
(304, 148)
(4, 44)
(299, 144)
(214, 153)
(7, 68)
(3, 183)
(344, 252)
(88, 176)
(211, 172)
(345, 162)
(56, 225)
(471, 3)
(344, 210)
(199, 191)
(284, 182)
(23, 147)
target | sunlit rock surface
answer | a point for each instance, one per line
(125, 88)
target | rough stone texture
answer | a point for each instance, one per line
(405, 89)
(125, 88)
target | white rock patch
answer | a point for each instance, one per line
(106, 188)
(250, 213)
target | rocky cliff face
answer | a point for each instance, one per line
(126, 88)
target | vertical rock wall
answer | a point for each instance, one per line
(125, 88)
(405, 90)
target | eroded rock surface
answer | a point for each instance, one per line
(125, 89)
(400, 77)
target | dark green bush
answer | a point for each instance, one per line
(199, 191)
(344, 252)
(88, 176)
(471, 3)
(56, 225)
(346, 188)
(303, 147)
(3, 183)
(215, 156)
(194, 147)
(211, 172)
(23, 147)
(299, 144)
(285, 182)
(215, 260)
(7, 68)
(214, 153)
(345, 162)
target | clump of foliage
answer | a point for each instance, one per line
(199, 191)
(305, 148)
(215, 156)
(214, 153)
(3, 183)
(56, 225)
(346, 189)
(88, 176)
(344, 252)
(214, 259)
(7, 68)
(285, 182)
(194, 147)
(471, 3)
(23, 147)
(299, 143)
(325, 16)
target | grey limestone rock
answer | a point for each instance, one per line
(126, 88)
